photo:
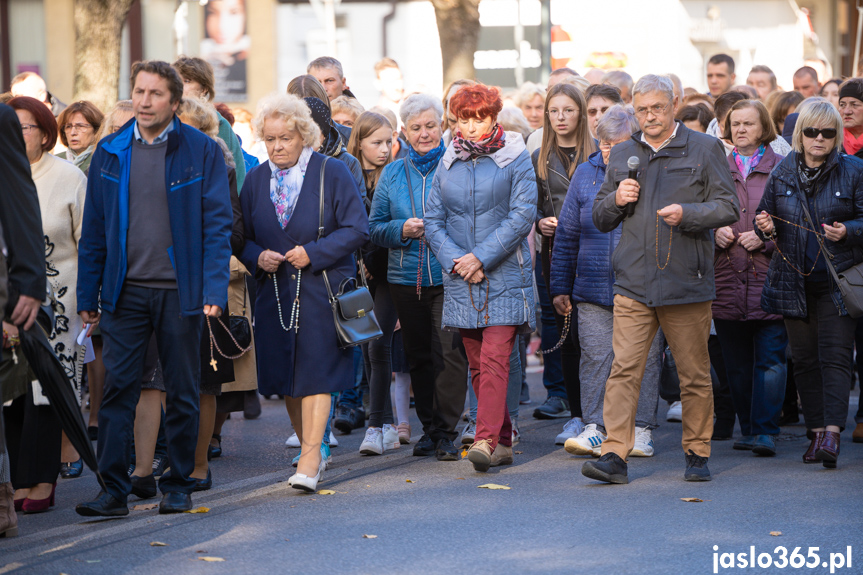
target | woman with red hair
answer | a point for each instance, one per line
(479, 212)
(33, 430)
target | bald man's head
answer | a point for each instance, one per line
(30, 84)
(806, 81)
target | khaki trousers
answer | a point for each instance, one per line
(686, 328)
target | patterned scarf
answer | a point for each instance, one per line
(285, 186)
(425, 163)
(808, 176)
(745, 164)
(486, 146)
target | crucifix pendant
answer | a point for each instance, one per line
(213, 363)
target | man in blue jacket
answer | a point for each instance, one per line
(154, 255)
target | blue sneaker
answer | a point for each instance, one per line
(326, 456)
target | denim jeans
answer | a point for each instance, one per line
(754, 353)
(353, 398)
(552, 373)
(513, 390)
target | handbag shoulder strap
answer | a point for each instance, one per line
(321, 204)
(827, 255)
(410, 188)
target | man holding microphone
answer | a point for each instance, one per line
(663, 269)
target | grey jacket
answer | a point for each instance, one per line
(486, 207)
(691, 171)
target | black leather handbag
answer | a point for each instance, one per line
(353, 307)
(239, 325)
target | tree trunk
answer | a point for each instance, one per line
(98, 36)
(458, 26)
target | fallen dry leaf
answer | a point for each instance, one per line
(493, 486)
(158, 544)
(692, 499)
(144, 506)
(198, 510)
(409, 481)
(462, 478)
(776, 533)
(463, 453)
(370, 536)
(210, 559)
(326, 492)
(518, 452)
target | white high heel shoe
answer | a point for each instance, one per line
(304, 482)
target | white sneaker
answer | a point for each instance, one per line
(643, 443)
(588, 442)
(516, 434)
(293, 441)
(391, 437)
(333, 441)
(468, 433)
(373, 444)
(675, 412)
(571, 430)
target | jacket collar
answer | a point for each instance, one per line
(787, 168)
(680, 140)
(595, 159)
(512, 149)
(121, 141)
(768, 161)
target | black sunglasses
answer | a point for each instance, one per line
(829, 133)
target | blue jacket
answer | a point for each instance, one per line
(199, 204)
(838, 198)
(487, 207)
(391, 208)
(581, 259)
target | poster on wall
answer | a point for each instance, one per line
(226, 47)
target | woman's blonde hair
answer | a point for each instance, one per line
(111, 119)
(367, 124)
(527, 92)
(345, 105)
(585, 145)
(816, 112)
(199, 114)
(293, 111)
(512, 119)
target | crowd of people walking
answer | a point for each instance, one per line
(662, 243)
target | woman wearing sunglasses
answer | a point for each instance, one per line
(815, 179)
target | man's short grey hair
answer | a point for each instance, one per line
(618, 78)
(416, 104)
(326, 62)
(616, 124)
(654, 83)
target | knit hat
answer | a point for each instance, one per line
(851, 90)
(320, 114)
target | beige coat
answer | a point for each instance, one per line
(245, 368)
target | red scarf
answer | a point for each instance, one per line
(485, 146)
(851, 144)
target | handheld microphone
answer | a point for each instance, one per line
(632, 163)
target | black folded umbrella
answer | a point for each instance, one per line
(58, 389)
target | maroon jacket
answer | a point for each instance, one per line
(739, 281)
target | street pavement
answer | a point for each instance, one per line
(402, 514)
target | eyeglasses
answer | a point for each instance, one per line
(656, 110)
(567, 113)
(27, 128)
(828, 133)
(79, 127)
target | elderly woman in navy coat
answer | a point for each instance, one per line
(297, 346)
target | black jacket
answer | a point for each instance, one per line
(838, 198)
(552, 190)
(20, 216)
(692, 171)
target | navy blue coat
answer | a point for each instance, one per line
(307, 362)
(839, 198)
(581, 260)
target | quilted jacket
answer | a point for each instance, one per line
(838, 198)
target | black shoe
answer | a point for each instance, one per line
(72, 470)
(722, 430)
(553, 408)
(445, 450)
(93, 433)
(204, 484)
(160, 466)
(103, 506)
(348, 418)
(764, 445)
(175, 502)
(609, 468)
(144, 487)
(251, 405)
(696, 468)
(424, 447)
(214, 452)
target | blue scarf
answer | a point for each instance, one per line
(425, 163)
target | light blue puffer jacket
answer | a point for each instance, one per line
(487, 207)
(391, 208)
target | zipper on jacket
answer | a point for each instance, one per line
(428, 255)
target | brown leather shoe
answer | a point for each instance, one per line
(857, 435)
(8, 518)
(828, 450)
(809, 456)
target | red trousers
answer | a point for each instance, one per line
(488, 350)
